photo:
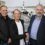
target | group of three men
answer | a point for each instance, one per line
(12, 31)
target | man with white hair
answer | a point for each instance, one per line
(36, 28)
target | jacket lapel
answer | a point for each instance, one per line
(30, 25)
(40, 26)
(17, 27)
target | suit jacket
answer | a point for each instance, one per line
(14, 33)
(4, 28)
(41, 30)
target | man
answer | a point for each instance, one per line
(36, 28)
(4, 26)
(17, 29)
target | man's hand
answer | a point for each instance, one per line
(27, 36)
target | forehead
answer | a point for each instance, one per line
(39, 7)
(17, 11)
(3, 8)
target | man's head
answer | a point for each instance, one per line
(17, 14)
(3, 10)
(39, 9)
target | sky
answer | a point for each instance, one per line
(14, 3)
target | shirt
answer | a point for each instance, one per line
(20, 31)
(34, 28)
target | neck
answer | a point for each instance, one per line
(17, 20)
(4, 17)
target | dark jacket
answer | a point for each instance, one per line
(4, 28)
(14, 32)
(41, 30)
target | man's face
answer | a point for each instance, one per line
(39, 10)
(4, 11)
(17, 15)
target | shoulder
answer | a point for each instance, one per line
(44, 18)
(22, 20)
(33, 16)
(0, 18)
(11, 22)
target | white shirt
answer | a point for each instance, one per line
(34, 28)
(20, 28)
(20, 31)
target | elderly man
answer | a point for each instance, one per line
(17, 29)
(4, 26)
(36, 28)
